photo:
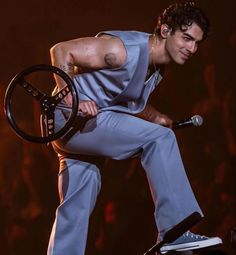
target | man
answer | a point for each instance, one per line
(114, 73)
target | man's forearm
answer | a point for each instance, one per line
(151, 114)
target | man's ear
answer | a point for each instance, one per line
(165, 30)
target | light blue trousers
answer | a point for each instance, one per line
(118, 136)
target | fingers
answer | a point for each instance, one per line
(169, 123)
(165, 121)
(88, 108)
(68, 100)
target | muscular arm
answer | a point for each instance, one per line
(151, 114)
(91, 53)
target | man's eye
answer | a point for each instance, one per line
(186, 39)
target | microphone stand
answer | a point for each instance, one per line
(175, 232)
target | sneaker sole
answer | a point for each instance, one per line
(192, 245)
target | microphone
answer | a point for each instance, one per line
(195, 120)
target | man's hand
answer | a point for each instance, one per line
(163, 120)
(154, 116)
(88, 108)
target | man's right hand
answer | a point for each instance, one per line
(88, 108)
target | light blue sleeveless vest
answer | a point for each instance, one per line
(123, 89)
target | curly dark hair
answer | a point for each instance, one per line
(181, 15)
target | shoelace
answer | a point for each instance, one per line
(192, 235)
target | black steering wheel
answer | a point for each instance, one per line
(30, 110)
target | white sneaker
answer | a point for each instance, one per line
(190, 241)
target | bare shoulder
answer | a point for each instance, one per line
(104, 51)
(114, 51)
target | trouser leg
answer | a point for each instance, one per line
(172, 194)
(79, 184)
(120, 136)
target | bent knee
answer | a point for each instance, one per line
(77, 177)
(164, 133)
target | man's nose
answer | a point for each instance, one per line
(192, 47)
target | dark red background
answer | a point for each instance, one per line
(122, 222)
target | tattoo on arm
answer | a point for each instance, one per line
(69, 69)
(110, 59)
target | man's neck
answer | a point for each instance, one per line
(157, 52)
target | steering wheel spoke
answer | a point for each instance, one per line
(61, 94)
(29, 88)
(48, 124)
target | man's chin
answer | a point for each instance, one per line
(181, 61)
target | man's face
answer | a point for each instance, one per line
(180, 46)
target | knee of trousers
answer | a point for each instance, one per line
(161, 135)
(161, 143)
(80, 181)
